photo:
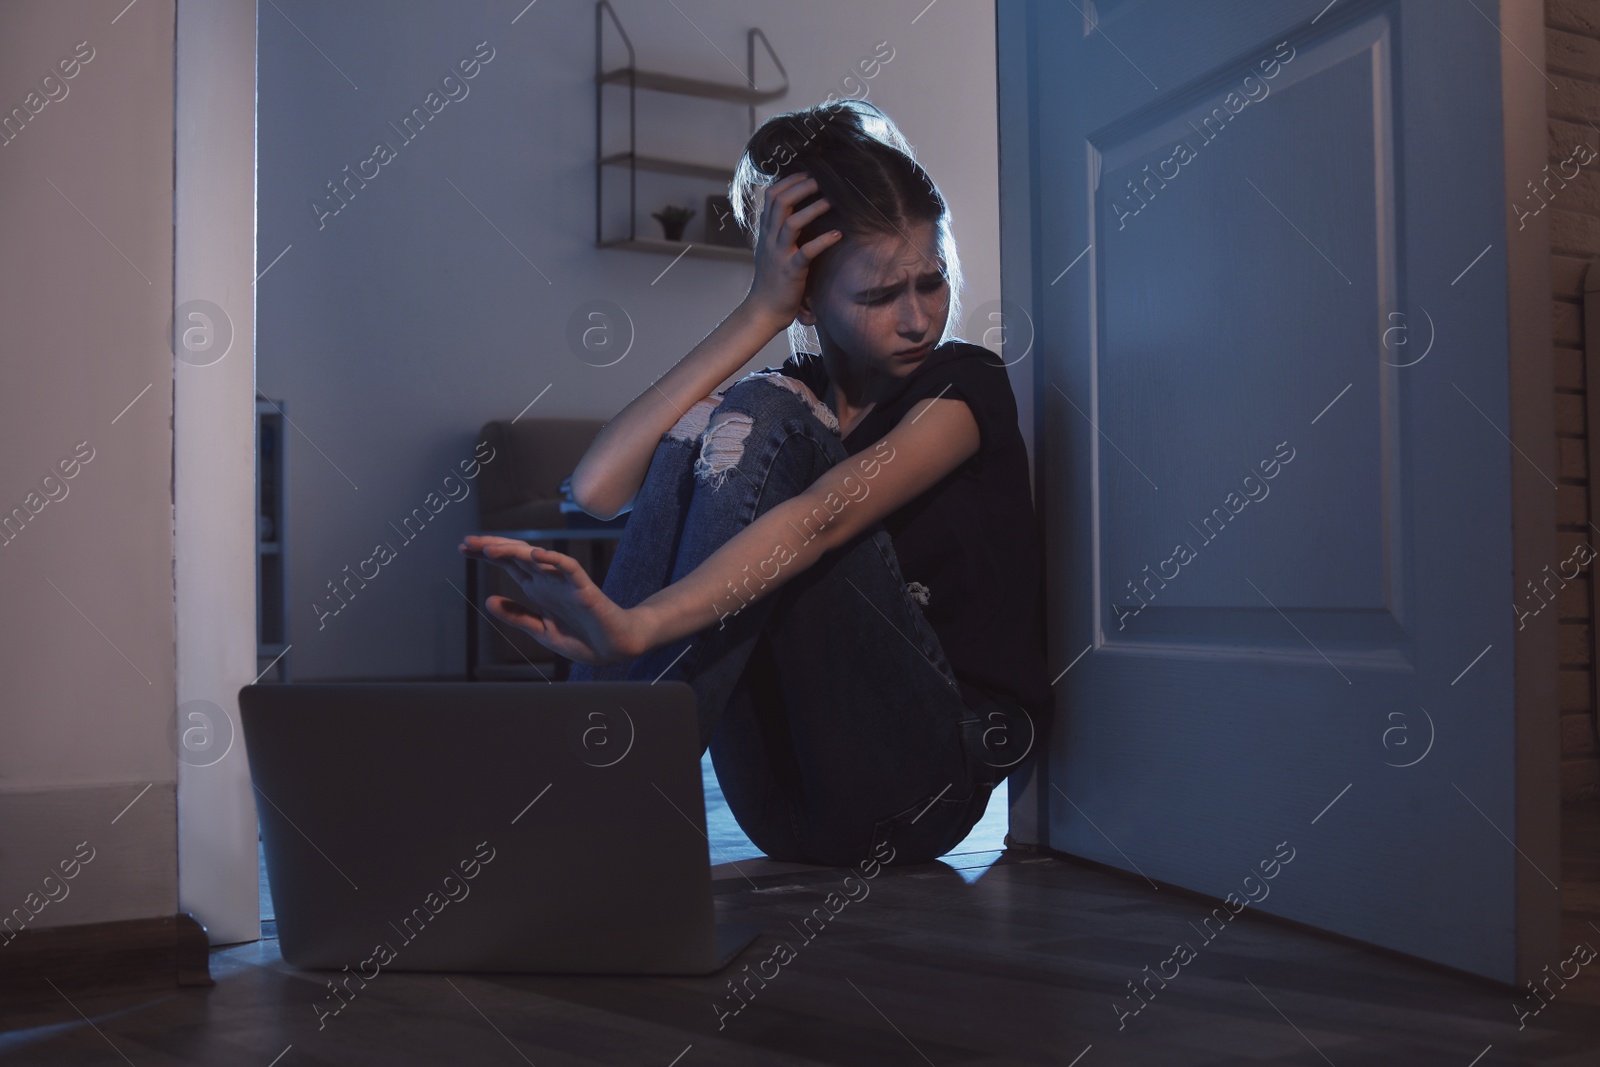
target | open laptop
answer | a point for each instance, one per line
(480, 826)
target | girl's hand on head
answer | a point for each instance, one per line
(565, 611)
(782, 264)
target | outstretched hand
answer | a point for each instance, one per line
(566, 612)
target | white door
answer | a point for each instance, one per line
(1283, 321)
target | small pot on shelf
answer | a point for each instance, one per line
(673, 220)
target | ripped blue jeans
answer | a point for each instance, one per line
(833, 717)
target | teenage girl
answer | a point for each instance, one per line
(838, 554)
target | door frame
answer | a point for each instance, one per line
(1530, 359)
(213, 462)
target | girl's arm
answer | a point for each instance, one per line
(934, 438)
(608, 477)
(574, 618)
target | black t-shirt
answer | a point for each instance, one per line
(970, 539)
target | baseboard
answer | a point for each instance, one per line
(162, 952)
(1013, 844)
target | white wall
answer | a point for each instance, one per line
(86, 594)
(412, 316)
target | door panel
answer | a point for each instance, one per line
(1272, 399)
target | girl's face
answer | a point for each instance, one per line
(881, 303)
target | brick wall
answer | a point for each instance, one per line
(1572, 57)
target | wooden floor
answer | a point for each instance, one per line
(983, 959)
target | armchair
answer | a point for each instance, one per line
(523, 492)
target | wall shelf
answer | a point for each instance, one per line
(668, 166)
(634, 79)
(699, 250)
(710, 90)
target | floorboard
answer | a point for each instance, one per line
(985, 958)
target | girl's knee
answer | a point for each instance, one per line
(692, 424)
(751, 405)
(722, 445)
(761, 392)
